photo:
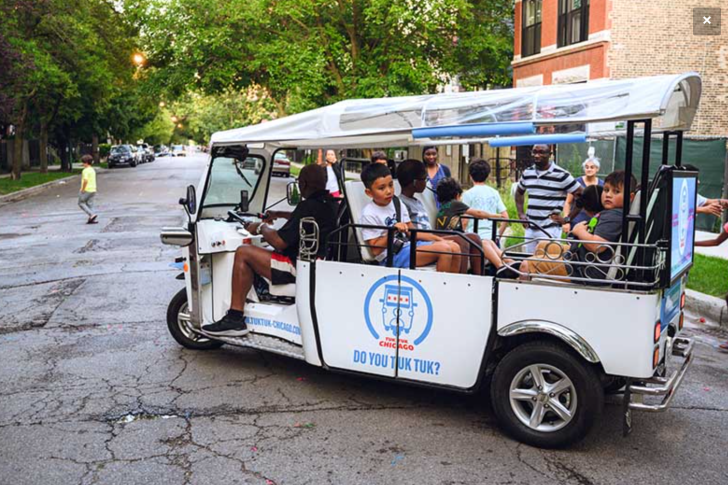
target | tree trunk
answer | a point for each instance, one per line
(18, 146)
(65, 146)
(43, 146)
(95, 148)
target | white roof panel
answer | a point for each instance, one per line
(670, 100)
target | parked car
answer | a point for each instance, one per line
(281, 165)
(179, 151)
(121, 155)
(147, 154)
(161, 151)
(137, 154)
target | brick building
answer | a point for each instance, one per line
(573, 41)
(568, 41)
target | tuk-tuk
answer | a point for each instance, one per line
(550, 347)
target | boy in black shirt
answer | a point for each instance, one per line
(279, 266)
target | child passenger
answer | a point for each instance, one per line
(605, 227)
(383, 211)
(412, 176)
(449, 192)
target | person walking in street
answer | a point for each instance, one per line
(88, 189)
(547, 185)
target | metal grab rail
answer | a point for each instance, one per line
(391, 231)
(595, 265)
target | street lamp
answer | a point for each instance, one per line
(174, 119)
(162, 104)
(138, 59)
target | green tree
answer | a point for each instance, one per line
(71, 65)
(308, 53)
(203, 115)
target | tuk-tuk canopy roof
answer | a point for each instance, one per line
(595, 107)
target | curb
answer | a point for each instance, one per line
(21, 194)
(710, 307)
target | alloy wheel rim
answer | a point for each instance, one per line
(543, 398)
(184, 322)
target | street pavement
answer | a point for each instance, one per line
(94, 390)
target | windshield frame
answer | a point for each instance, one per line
(208, 182)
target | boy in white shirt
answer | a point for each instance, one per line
(484, 198)
(383, 211)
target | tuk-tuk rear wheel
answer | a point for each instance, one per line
(180, 326)
(545, 395)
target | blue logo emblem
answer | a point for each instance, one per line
(398, 305)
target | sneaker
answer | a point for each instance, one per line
(509, 273)
(723, 347)
(227, 327)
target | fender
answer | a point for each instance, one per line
(574, 340)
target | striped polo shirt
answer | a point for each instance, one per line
(546, 191)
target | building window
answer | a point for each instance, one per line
(573, 22)
(531, 35)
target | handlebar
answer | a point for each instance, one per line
(235, 216)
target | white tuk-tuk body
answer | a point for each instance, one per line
(417, 325)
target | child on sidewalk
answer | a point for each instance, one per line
(722, 237)
(88, 189)
(383, 210)
(485, 198)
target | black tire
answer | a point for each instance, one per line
(615, 385)
(185, 338)
(552, 361)
(111, 165)
(133, 164)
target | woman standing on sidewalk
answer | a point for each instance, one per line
(435, 171)
(333, 173)
(88, 189)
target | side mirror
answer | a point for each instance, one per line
(244, 201)
(191, 202)
(293, 196)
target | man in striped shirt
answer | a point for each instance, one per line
(547, 185)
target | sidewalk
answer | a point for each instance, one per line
(51, 168)
(23, 193)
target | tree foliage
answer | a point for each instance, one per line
(307, 53)
(69, 70)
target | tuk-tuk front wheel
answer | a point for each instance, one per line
(545, 396)
(180, 326)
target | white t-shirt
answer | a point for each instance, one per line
(377, 215)
(485, 198)
(332, 185)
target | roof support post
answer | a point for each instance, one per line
(678, 149)
(665, 147)
(627, 173)
(644, 183)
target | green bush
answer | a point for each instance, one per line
(104, 149)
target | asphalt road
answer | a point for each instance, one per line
(94, 390)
